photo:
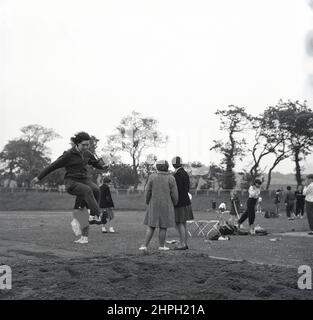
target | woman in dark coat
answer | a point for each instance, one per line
(183, 210)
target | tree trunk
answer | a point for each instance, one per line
(269, 178)
(135, 174)
(229, 180)
(298, 168)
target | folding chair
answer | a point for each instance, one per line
(201, 227)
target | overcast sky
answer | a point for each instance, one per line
(78, 65)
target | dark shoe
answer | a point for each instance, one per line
(181, 248)
(310, 233)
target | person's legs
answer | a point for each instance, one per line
(149, 235)
(297, 212)
(251, 213)
(181, 232)
(301, 209)
(85, 231)
(85, 192)
(288, 210)
(84, 237)
(185, 233)
(309, 213)
(243, 218)
(162, 235)
(95, 189)
(292, 210)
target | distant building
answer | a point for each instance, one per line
(9, 183)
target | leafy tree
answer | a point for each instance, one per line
(28, 155)
(122, 175)
(296, 121)
(134, 135)
(234, 121)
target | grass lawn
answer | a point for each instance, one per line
(46, 264)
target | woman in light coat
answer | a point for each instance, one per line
(161, 196)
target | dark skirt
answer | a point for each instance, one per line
(183, 214)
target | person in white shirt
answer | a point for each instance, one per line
(308, 192)
(254, 193)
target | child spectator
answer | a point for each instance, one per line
(290, 204)
(277, 201)
(106, 205)
(300, 200)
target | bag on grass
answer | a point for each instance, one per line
(226, 230)
(260, 231)
(214, 235)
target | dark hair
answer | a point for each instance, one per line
(106, 180)
(177, 162)
(257, 181)
(162, 167)
(288, 188)
(79, 137)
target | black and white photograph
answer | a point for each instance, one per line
(156, 151)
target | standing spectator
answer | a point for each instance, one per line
(161, 196)
(277, 201)
(254, 193)
(183, 210)
(106, 205)
(300, 201)
(290, 203)
(308, 192)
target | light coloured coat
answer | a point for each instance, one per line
(161, 196)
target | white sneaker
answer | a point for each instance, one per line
(79, 240)
(84, 240)
(164, 248)
(252, 232)
(104, 230)
(111, 230)
(143, 248)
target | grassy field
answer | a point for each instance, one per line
(46, 264)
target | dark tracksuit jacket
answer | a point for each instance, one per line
(183, 185)
(76, 178)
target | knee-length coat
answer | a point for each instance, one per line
(161, 197)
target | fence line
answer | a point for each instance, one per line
(193, 192)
